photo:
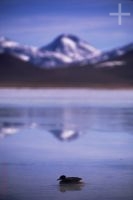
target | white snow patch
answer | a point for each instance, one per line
(69, 42)
(90, 48)
(10, 44)
(62, 57)
(22, 56)
(111, 64)
(57, 55)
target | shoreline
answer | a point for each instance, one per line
(66, 86)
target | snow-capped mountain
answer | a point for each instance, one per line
(65, 64)
(117, 52)
(113, 58)
(72, 47)
(23, 52)
(64, 51)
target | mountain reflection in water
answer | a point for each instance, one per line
(100, 151)
(65, 123)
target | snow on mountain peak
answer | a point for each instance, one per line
(72, 47)
(66, 49)
(68, 42)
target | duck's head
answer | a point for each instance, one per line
(62, 177)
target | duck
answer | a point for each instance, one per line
(73, 180)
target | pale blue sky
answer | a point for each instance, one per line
(39, 22)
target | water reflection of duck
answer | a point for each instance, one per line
(69, 180)
(71, 187)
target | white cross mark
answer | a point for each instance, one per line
(119, 14)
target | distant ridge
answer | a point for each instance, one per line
(66, 62)
(65, 49)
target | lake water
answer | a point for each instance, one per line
(46, 133)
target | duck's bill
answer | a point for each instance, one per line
(58, 179)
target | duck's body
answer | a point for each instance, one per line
(64, 179)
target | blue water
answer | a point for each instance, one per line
(42, 140)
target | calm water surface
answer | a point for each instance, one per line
(44, 134)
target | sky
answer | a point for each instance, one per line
(38, 22)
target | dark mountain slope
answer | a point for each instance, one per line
(15, 72)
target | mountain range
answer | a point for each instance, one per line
(66, 61)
